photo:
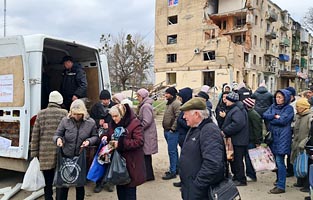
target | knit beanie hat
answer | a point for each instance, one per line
(203, 95)
(55, 97)
(172, 91)
(248, 102)
(118, 97)
(78, 107)
(205, 88)
(105, 94)
(233, 97)
(303, 103)
(143, 93)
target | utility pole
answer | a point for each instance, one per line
(4, 18)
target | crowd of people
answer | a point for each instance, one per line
(189, 122)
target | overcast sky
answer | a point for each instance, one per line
(87, 20)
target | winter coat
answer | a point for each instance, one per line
(202, 160)
(281, 127)
(42, 145)
(74, 83)
(236, 124)
(263, 100)
(146, 117)
(130, 146)
(221, 107)
(301, 131)
(99, 111)
(255, 127)
(171, 114)
(73, 135)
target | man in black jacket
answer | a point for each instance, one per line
(74, 84)
(203, 153)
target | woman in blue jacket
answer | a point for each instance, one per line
(279, 116)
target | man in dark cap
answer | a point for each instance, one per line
(100, 113)
(169, 124)
(203, 153)
(74, 84)
(236, 127)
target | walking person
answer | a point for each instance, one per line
(42, 145)
(146, 117)
(75, 131)
(169, 124)
(202, 158)
(279, 116)
(236, 127)
(255, 136)
(74, 83)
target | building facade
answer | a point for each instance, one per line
(220, 41)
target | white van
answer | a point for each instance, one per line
(25, 61)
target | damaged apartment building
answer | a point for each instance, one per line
(225, 41)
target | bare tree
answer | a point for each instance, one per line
(308, 19)
(128, 57)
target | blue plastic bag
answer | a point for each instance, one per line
(97, 170)
(300, 165)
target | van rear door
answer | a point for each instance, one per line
(14, 99)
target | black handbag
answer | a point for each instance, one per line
(226, 189)
(268, 139)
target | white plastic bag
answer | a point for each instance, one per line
(33, 178)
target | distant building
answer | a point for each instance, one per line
(220, 41)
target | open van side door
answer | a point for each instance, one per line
(14, 99)
(105, 72)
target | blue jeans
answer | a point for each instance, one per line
(250, 172)
(281, 171)
(172, 142)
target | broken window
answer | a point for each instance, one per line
(240, 21)
(171, 78)
(208, 55)
(239, 39)
(210, 34)
(172, 20)
(171, 39)
(171, 58)
(222, 24)
(246, 57)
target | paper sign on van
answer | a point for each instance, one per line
(6, 88)
(5, 143)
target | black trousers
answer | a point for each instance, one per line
(149, 168)
(126, 193)
(62, 193)
(49, 175)
(237, 165)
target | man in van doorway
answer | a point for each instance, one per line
(74, 84)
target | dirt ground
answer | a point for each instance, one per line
(160, 189)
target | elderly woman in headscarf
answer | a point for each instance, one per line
(130, 145)
(301, 132)
(75, 131)
(146, 116)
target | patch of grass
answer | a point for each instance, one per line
(159, 106)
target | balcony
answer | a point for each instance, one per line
(304, 63)
(295, 47)
(284, 58)
(270, 70)
(285, 26)
(269, 52)
(270, 35)
(271, 16)
(285, 42)
(304, 52)
(287, 74)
